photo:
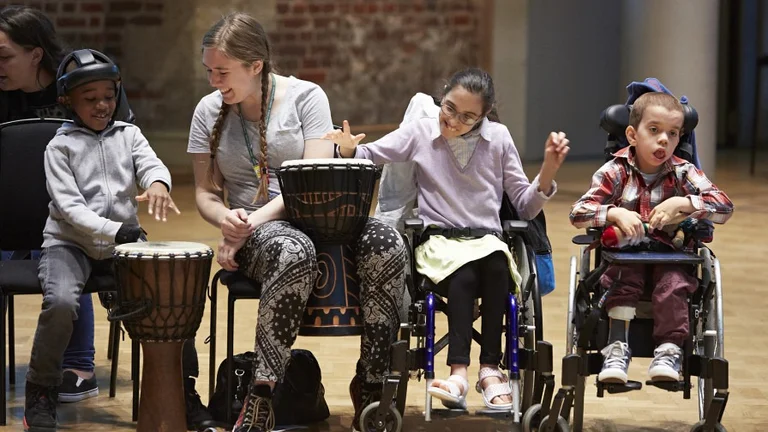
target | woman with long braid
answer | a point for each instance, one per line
(255, 120)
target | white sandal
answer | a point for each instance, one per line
(494, 390)
(455, 399)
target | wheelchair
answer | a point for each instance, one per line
(527, 357)
(587, 321)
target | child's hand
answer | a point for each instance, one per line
(344, 138)
(555, 150)
(669, 212)
(629, 223)
(159, 201)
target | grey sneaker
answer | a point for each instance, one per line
(667, 363)
(617, 357)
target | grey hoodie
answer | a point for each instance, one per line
(92, 179)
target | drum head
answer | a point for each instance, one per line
(162, 249)
(310, 162)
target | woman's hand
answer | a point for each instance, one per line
(345, 139)
(159, 201)
(235, 226)
(227, 252)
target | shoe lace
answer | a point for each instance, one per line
(666, 357)
(259, 414)
(616, 355)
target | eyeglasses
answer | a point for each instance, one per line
(463, 118)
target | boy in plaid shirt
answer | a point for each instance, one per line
(646, 184)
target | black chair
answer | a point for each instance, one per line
(240, 287)
(22, 218)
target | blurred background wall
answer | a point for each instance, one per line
(556, 63)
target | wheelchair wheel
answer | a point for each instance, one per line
(532, 418)
(560, 426)
(393, 422)
(699, 427)
(530, 300)
(709, 335)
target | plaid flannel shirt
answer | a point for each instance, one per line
(619, 183)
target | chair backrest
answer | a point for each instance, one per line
(22, 182)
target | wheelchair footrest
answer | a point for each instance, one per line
(620, 388)
(673, 386)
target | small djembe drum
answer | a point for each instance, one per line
(160, 300)
(330, 200)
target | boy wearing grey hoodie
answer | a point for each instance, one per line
(92, 167)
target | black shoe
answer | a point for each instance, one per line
(40, 408)
(362, 394)
(74, 389)
(198, 417)
(257, 414)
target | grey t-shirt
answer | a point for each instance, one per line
(303, 114)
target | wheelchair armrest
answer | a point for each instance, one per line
(510, 226)
(414, 224)
(592, 235)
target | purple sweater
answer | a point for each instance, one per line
(450, 196)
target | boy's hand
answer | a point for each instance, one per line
(159, 201)
(555, 150)
(345, 139)
(629, 223)
(670, 211)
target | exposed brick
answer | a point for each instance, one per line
(65, 22)
(51, 8)
(91, 7)
(329, 8)
(146, 20)
(125, 6)
(115, 21)
(294, 22)
(68, 7)
(461, 20)
(310, 63)
(113, 51)
(114, 37)
(323, 22)
(95, 22)
(359, 8)
(292, 50)
(390, 8)
(36, 5)
(307, 36)
(316, 76)
(299, 8)
(153, 7)
(323, 50)
(283, 8)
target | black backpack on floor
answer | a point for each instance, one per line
(298, 399)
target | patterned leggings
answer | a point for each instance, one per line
(283, 260)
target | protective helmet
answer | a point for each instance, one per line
(91, 65)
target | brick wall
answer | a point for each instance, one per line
(370, 56)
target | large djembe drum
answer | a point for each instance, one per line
(330, 200)
(160, 300)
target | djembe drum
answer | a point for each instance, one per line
(160, 300)
(329, 200)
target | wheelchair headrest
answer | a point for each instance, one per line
(615, 119)
(91, 66)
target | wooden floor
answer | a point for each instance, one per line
(741, 245)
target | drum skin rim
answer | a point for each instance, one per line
(325, 161)
(162, 250)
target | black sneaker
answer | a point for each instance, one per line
(75, 389)
(362, 394)
(257, 414)
(40, 408)
(198, 417)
